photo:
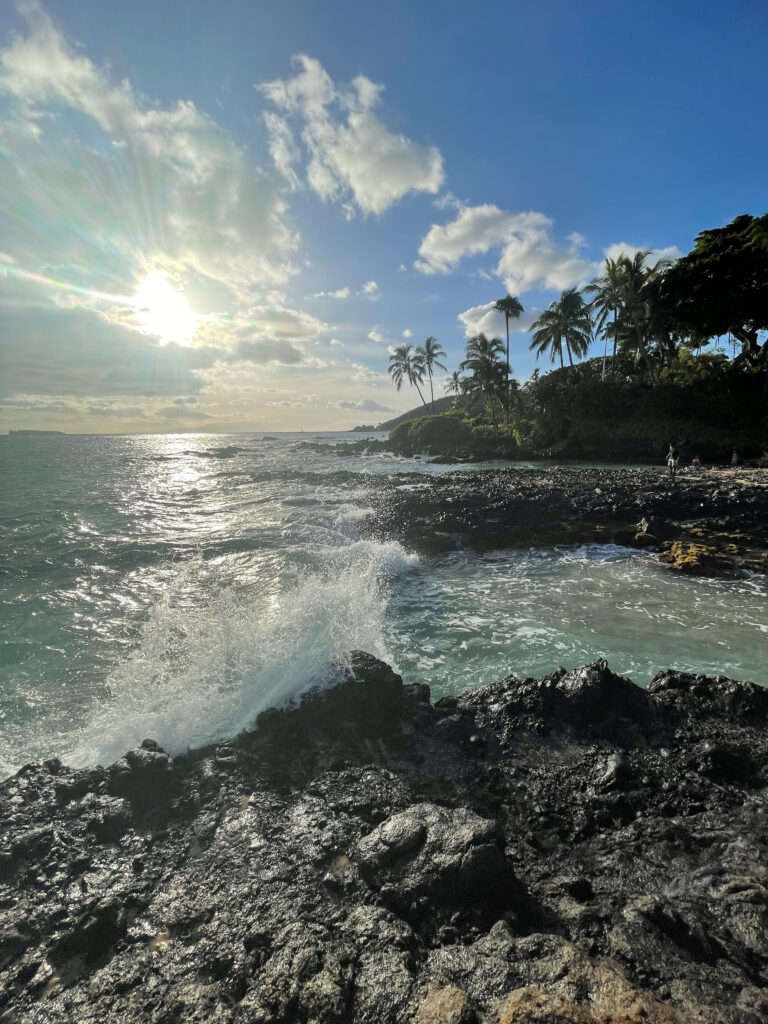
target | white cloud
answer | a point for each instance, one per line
(447, 201)
(352, 155)
(79, 354)
(670, 252)
(293, 325)
(370, 288)
(528, 255)
(364, 405)
(340, 293)
(407, 333)
(270, 351)
(376, 336)
(365, 373)
(176, 412)
(283, 149)
(485, 319)
(103, 189)
(68, 405)
(475, 230)
(163, 182)
(336, 343)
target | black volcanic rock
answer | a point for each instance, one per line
(705, 522)
(591, 703)
(568, 849)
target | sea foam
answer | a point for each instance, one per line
(204, 673)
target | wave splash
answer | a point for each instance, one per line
(204, 673)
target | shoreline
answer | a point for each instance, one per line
(571, 848)
(706, 522)
(574, 846)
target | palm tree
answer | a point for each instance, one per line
(547, 335)
(635, 279)
(512, 394)
(607, 290)
(567, 322)
(456, 385)
(405, 364)
(429, 353)
(635, 293)
(511, 307)
(489, 373)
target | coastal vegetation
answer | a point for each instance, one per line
(687, 363)
(511, 308)
(568, 322)
(407, 363)
(430, 355)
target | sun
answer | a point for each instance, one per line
(162, 310)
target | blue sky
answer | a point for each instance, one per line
(220, 216)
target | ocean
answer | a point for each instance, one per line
(173, 586)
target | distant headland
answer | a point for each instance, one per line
(22, 432)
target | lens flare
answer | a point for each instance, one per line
(157, 307)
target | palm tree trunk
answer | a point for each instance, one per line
(568, 349)
(506, 321)
(432, 392)
(489, 395)
(420, 395)
(644, 352)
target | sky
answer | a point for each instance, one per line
(221, 217)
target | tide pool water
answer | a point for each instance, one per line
(175, 586)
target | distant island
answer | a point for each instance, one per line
(22, 432)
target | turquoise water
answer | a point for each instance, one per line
(173, 586)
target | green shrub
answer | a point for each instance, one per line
(400, 438)
(435, 435)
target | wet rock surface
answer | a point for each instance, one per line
(568, 849)
(706, 522)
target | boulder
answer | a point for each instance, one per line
(429, 858)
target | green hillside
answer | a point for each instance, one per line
(441, 405)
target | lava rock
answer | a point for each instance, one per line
(349, 859)
(439, 856)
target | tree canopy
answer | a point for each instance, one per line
(511, 307)
(405, 364)
(429, 354)
(489, 372)
(567, 322)
(721, 286)
(657, 314)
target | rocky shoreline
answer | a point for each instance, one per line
(569, 850)
(706, 522)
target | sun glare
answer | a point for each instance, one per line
(162, 310)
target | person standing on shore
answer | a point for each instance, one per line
(734, 459)
(673, 458)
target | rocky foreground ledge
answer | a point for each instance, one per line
(569, 849)
(706, 522)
